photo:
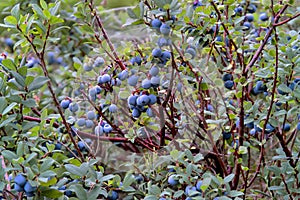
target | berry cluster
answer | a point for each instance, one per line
(141, 103)
(23, 185)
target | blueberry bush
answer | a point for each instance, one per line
(154, 100)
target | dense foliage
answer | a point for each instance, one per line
(158, 99)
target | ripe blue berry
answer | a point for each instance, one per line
(153, 99)
(143, 100)
(73, 107)
(198, 186)
(18, 188)
(87, 67)
(165, 29)
(191, 51)
(123, 75)
(229, 84)
(65, 103)
(249, 17)
(107, 128)
(146, 84)
(156, 23)
(20, 180)
(155, 81)
(286, 127)
(154, 71)
(136, 113)
(132, 80)
(251, 8)
(91, 115)
(98, 62)
(81, 146)
(113, 195)
(252, 131)
(132, 100)
(227, 77)
(89, 123)
(263, 16)
(162, 42)
(28, 187)
(105, 78)
(156, 52)
(113, 108)
(172, 180)
(247, 25)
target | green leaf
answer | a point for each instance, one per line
(80, 191)
(37, 83)
(131, 14)
(9, 155)
(47, 163)
(43, 4)
(228, 178)
(235, 193)
(128, 180)
(10, 20)
(37, 10)
(8, 120)
(8, 108)
(9, 64)
(107, 177)
(20, 79)
(3, 104)
(73, 169)
(52, 193)
(15, 11)
(178, 193)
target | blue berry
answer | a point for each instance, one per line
(229, 84)
(263, 16)
(251, 8)
(146, 84)
(28, 187)
(226, 135)
(132, 100)
(286, 127)
(247, 25)
(65, 103)
(249, 17)
(136, 113)
(153, 99)
(165, 29)
(156, 23)
(143, 100)
(73, 107)
(155, 81)
(87, 67)
(113, 195)
(91, 115)
(162, 42)
(132, 80)
(105, 78)
(107, 128)
(198, 186)
(81, 146)
(123, 75)
(113, 108)
(156, 52)
(98, 62)
(191, 51)
(18, 188)
(227, 77)
(252, 131)
(89, 123)
(20, 180)
(154, 71)
(172, 180)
